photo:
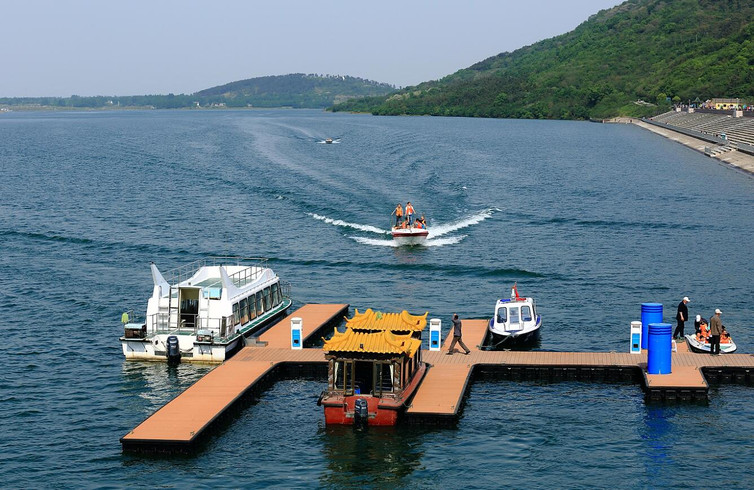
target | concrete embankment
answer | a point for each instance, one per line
(736, 159)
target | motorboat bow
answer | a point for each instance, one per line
(515, 321)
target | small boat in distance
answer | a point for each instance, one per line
(203, 311)
(328, 141)
(515, 321)
(374, 368)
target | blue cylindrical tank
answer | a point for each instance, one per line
(659, 348)
(650, 313)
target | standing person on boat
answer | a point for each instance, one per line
(409, 213)
(681, 316)
(715, 330)
(398, 212)
(457, 336)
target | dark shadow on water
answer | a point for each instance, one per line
(376, 456)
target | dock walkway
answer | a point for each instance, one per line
(185, 420)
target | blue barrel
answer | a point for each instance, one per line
(660, 346)
(650, 313)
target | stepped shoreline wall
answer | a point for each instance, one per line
(738, 160)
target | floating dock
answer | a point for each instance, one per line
(186, 420)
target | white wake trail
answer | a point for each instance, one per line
(345, 224)
(436, 231)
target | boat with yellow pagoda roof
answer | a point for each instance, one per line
(374, 368)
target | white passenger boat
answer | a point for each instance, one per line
(727, 345)
(203, 311)
(515, 322)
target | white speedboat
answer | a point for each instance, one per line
(204, 310)
(702, 346)
(515, 322)
(410, 236)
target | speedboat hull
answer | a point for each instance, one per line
(412, 236)
(506, 339)
(703, 347)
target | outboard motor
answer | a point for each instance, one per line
(360, 414)
(174, 350)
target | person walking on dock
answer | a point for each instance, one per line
(457, 336)
(715, 330)
(681, 316)
(398, 212)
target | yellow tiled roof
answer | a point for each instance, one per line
(376, 320)
(382, 342)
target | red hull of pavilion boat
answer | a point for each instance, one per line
(375, 368)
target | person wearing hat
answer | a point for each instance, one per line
(681, 316)
(715, 330)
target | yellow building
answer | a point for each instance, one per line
(725, 104)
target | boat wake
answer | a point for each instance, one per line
(437, 232)
(345, 224)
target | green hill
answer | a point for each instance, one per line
(295, 90)
(641, 50)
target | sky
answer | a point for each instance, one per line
(137, 47)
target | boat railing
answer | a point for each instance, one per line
(253, 268)
(161, 323)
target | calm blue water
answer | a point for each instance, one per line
(591, 220)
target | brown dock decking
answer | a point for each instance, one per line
(314, 317)
(446, 381)
(186, 419)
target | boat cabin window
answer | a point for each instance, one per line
(236, 314)
(514, 314)
(276, 299)
(252, 308)
(267, 305)
(525, 314)
(502, 315)
(363, 378)
(260, 308)
(243, 306)
(213, 293)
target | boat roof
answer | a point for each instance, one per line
(382, 342)
(377, 320)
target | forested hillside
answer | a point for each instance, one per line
(295, 90)
(628, 60)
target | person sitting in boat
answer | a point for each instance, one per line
(697, 322)
(703, 334)
(724, 336)
(422, 222)
(404, 224)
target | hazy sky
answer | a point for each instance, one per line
(134, 47)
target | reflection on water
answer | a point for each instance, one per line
(157, 382)
(382, 456)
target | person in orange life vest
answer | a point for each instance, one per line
(409, 213)
(703, 331)
(422, 222)
(398, 212)
(404, 224)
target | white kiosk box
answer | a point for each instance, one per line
(635, 338)
(297, 330)
(435, 334)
